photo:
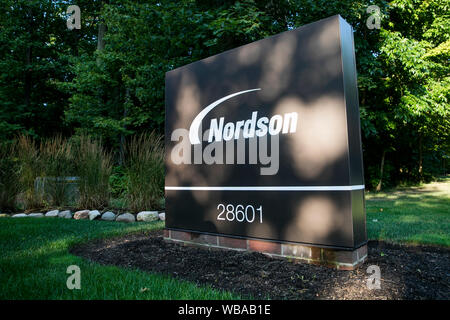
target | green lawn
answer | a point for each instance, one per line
(34, 252)
(34, 258)
(418, 215)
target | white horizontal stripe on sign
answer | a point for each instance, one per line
(272, 188)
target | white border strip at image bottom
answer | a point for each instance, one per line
(271, 188)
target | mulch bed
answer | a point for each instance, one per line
(407, 272)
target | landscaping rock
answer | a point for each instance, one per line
(65, 214)
(94, 214)
(162, 216)
(147, 216)
(19, 215)
(109, 216)
(126, 217)
(52, 214)
(4, 215)
(82, 214)
(36, 215)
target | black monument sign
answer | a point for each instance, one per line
(263, 141)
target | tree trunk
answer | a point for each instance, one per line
(29, 60)
(378, 188)
(122, 136)
(100, 39)
(101, 35)
(420, 158)
(28, 79)
(100, 47)
(76, 35)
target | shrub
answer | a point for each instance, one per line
(145, 171)
(56, 162)
(93, 167)
(118, 182)
(10, 186)
(30, 169)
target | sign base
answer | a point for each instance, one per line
(330, 257)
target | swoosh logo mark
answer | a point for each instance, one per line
(194, 134)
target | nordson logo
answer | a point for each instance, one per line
(219, 130)
(226, 140)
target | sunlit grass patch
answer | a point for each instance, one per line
(415, 215)
(34, 256)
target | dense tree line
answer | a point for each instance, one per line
(107, 78)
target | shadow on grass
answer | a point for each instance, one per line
(35, 256)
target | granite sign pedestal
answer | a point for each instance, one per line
(263, 148)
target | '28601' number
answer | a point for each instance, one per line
(239, 213)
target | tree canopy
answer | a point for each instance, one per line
(107, 78)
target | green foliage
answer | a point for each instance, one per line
(57, 163)
(403, 84)
(31, 169)
(32, 38)
(9, 177)
(145, 172)
(118, 182)
(415, 89)
(93, 168)
(43, 167)
(79, 172)
(54, 80)
(57, 172)
(119, 90)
